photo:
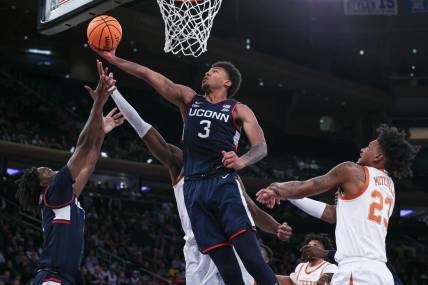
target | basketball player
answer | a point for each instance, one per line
(212, 125)
(200, 270)
(56, 192)
(316, 271)
(316, 209)
(365, 204)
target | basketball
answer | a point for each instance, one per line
(104, 32)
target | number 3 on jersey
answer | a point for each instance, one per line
(375, 212)
(206, 133)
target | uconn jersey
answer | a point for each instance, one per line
(216, 207)
(63, 232)
(208, 130)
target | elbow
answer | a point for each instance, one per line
(264, 150)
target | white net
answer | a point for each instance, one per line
(188, 24)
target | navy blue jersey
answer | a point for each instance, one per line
(63, 226)
(208, 130)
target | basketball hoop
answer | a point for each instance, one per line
(188, 24)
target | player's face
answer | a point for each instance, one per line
(369, 154)
(316, 243)
(215, 78)
(45, 174)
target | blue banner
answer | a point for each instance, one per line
(417, 6)
(370, 7)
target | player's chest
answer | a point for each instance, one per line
(219, 113)
(310, 278)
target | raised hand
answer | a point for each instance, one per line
(112, 120)
(107, 55)
(284, 232)
(231, 160)
(106, 85)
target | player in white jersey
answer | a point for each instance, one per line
(366, 202)
(200, 269)
(316, 271)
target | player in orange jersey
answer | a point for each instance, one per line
(365, 204)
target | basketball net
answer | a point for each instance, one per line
(188, 24)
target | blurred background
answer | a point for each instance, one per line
(319, 75)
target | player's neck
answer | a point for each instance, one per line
(215, 97)
(315, 262)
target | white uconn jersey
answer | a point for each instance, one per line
(307, 275)
(200, 269)
(362, 219)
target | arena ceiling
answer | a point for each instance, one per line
(304, 45)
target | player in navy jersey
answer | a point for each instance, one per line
(56, 192)
(212, 125)
(199, 268)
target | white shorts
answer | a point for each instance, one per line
(201, 270)
(362, 272)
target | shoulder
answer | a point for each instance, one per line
(242, 111)
(348, 167)
(330, 268)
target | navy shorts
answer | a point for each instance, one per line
(46, 278)
(217, 210)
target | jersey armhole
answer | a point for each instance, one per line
(234, 120)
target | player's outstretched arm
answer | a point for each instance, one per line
(169, 155)
(256, 137)
(317, 209)
(343, 174)
(82, 162)
(177, 94)
(264, 221)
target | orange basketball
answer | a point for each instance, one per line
(104, 32)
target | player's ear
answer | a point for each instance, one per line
(379, 157)
(228, 83)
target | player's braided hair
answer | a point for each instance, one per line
(234, 76)
(322, 238)
(398, 152)
(29, 190)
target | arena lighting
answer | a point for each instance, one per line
(418, 133)
(13, 171)
(414, 51)
(144, 189)
(149, 160)
(413, 67)
(361, 52)
(39, 51)
(406, 212)
(104, 154)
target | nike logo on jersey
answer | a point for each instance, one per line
(208, 114)
(224, 177)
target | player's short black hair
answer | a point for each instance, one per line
(398, 152)
(324, 239)
(234, 76)
(29, 189)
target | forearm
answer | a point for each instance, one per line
(314, 208)
(92, 131)
(256, 153)
(131, 115)
(158, 147)
(265, 222)
(164, 86)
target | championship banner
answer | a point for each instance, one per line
(370, 7)
(417, 6)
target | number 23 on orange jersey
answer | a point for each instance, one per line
(376, 208)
